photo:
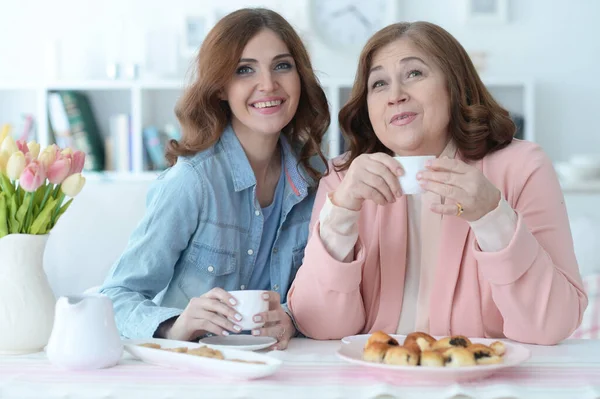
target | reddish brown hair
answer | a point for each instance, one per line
(203, 115)
(478, 124)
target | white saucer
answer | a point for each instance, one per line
(239, 342)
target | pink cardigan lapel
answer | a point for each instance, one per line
(393, 225)
(450, 258)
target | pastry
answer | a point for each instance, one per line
(484, 354)
(418, 341)
(150, 345)
(450, 342)
(205, 351)
(498, 347)
(458, 357)
(400, 356)
(375, 352)
(380, 336)
(431, 359)
(177, 350)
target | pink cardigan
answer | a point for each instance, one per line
(530, 291)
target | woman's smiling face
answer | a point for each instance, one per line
(407, 99)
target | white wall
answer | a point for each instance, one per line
(551, 42)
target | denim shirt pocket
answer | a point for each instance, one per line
(297, 257)
(208, 267)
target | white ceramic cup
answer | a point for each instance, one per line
(249, 303)
(412, 166)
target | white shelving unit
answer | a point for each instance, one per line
(152, 103)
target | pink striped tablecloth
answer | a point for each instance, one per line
(311, 370)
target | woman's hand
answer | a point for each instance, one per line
(461, 183)
(278, 324)
(370, 177)
(209, 313)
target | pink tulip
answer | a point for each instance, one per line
(33, 176)
(59, 170)
(22, 146)
(77, 162)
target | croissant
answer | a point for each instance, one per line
(450, 342)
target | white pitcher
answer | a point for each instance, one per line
(84, 335)
(26, 299)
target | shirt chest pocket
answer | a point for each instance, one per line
(215, 262)
(209, 267)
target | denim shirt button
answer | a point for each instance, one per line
(275, 287)
(257, 212)
(210, 269)
(275, 250)
(242, 287)
(250, 252)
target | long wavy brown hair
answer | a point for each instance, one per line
(478, 124)
(203, 115)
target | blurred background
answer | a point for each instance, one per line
(104, 76)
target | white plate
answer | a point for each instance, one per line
(515, 354)
(364, 337)
(239, 342)
(213, 367)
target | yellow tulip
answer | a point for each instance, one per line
(67, 151)
(72, 185)
(47, 156)
(9, 145)
(3, 160)
(15, 165)
(34, 148)
(4, 132)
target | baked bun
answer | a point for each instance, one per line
(422, 340)
(458, 357)
(498, 347)
(484, 354)
(381, 337)
(432, 359)
(375, 352)
(401, 356)
(455, 341)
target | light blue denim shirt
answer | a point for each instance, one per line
(202, 229)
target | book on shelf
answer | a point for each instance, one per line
(72, 124)
(119, 144)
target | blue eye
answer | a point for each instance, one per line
(283, 65)
(414, 73)
(243, 70)
(377, 84)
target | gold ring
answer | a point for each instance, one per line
(460, 209)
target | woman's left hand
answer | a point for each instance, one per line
(278, 324)
(464, 185)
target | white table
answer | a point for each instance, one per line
(311, 370)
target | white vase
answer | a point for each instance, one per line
(26, 299)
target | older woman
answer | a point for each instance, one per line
(485, 251)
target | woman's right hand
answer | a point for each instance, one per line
(209, 313)
(370, 177)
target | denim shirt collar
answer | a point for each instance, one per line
(243, 175)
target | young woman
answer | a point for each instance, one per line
(485, 251)
(232, 212)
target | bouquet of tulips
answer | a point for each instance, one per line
(34, 185)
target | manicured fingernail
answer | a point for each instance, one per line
(265, 295)
(232, 301)
(238, 316)
(257, 318)
(255, 332)
(275, 348)
(428, 163)
(225, 333)
(237, 328)
(419, 176)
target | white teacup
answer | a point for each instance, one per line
(412, 166)
(248, 304)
